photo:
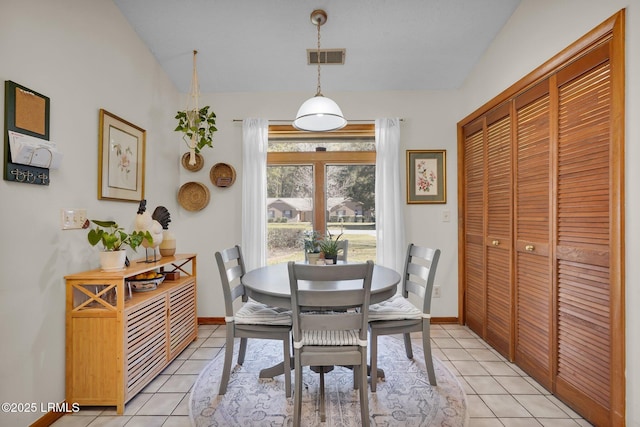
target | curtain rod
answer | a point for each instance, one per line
(291, 121)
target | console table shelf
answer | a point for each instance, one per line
(117, 341)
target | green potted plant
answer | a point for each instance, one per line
(311, 241)
(329, 247)
(114, 241)
(197, 127)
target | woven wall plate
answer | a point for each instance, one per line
(193, 196)
(193, 168)
(222, 175)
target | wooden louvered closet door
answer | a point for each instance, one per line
(542, 182)
(474, 232)
(583, 235)
(498, 239)
(533, 262)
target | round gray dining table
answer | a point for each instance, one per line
(270, 285)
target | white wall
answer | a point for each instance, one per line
(84, 56)
(537, 31)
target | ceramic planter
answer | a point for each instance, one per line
(112, 260)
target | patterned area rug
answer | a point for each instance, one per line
(405, 398)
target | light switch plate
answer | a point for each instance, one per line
(73, 219)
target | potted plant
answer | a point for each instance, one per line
(197, 127)
(114, 240)
(329, 247)
(311, 240)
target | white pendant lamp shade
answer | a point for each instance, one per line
(319, 114)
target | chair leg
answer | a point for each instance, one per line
(228, 357)
(374, 360)
(242, 351)
(356, 377)
(287, 367)
(407, 345)
(426, 348)
(297, 394)
(364, 397)
(323, 413)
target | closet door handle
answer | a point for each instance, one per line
(530, 248)
(495, 242)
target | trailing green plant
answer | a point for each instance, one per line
(201, 125)
(113, 237)
(329, 245)
(311, 241)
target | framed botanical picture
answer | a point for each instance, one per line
(426, 176)
(121, 152)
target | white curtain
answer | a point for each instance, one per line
(255, 138)
(391, 243)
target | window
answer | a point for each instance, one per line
(328, 179)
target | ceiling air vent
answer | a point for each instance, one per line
(327, 56)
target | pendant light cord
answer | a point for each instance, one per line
(319, 91)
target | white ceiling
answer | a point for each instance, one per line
(260, 45)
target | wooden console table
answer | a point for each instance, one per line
(115, 345)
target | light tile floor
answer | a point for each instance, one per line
(498, 392)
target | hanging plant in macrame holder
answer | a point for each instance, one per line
(197, 124)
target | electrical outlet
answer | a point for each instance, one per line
(446, 215)
(436, 291)
(73, 219)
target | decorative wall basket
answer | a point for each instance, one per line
(193, 168)
(193, 196)
(222, 175)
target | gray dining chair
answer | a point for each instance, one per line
(398, 315)
(343, 250)
(252, 320)
(330, 326)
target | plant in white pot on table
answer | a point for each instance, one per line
(114, 240)
(311, 241)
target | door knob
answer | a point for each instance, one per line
(495, 242)
(529, 248)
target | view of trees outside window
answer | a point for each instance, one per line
(347, 202)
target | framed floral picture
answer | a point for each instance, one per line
(426, 176)
(121, 164)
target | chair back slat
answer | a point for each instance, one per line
(235, 273)
(331, 322)
(416, 288)
(331, 299)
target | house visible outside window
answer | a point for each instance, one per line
(328, 179)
